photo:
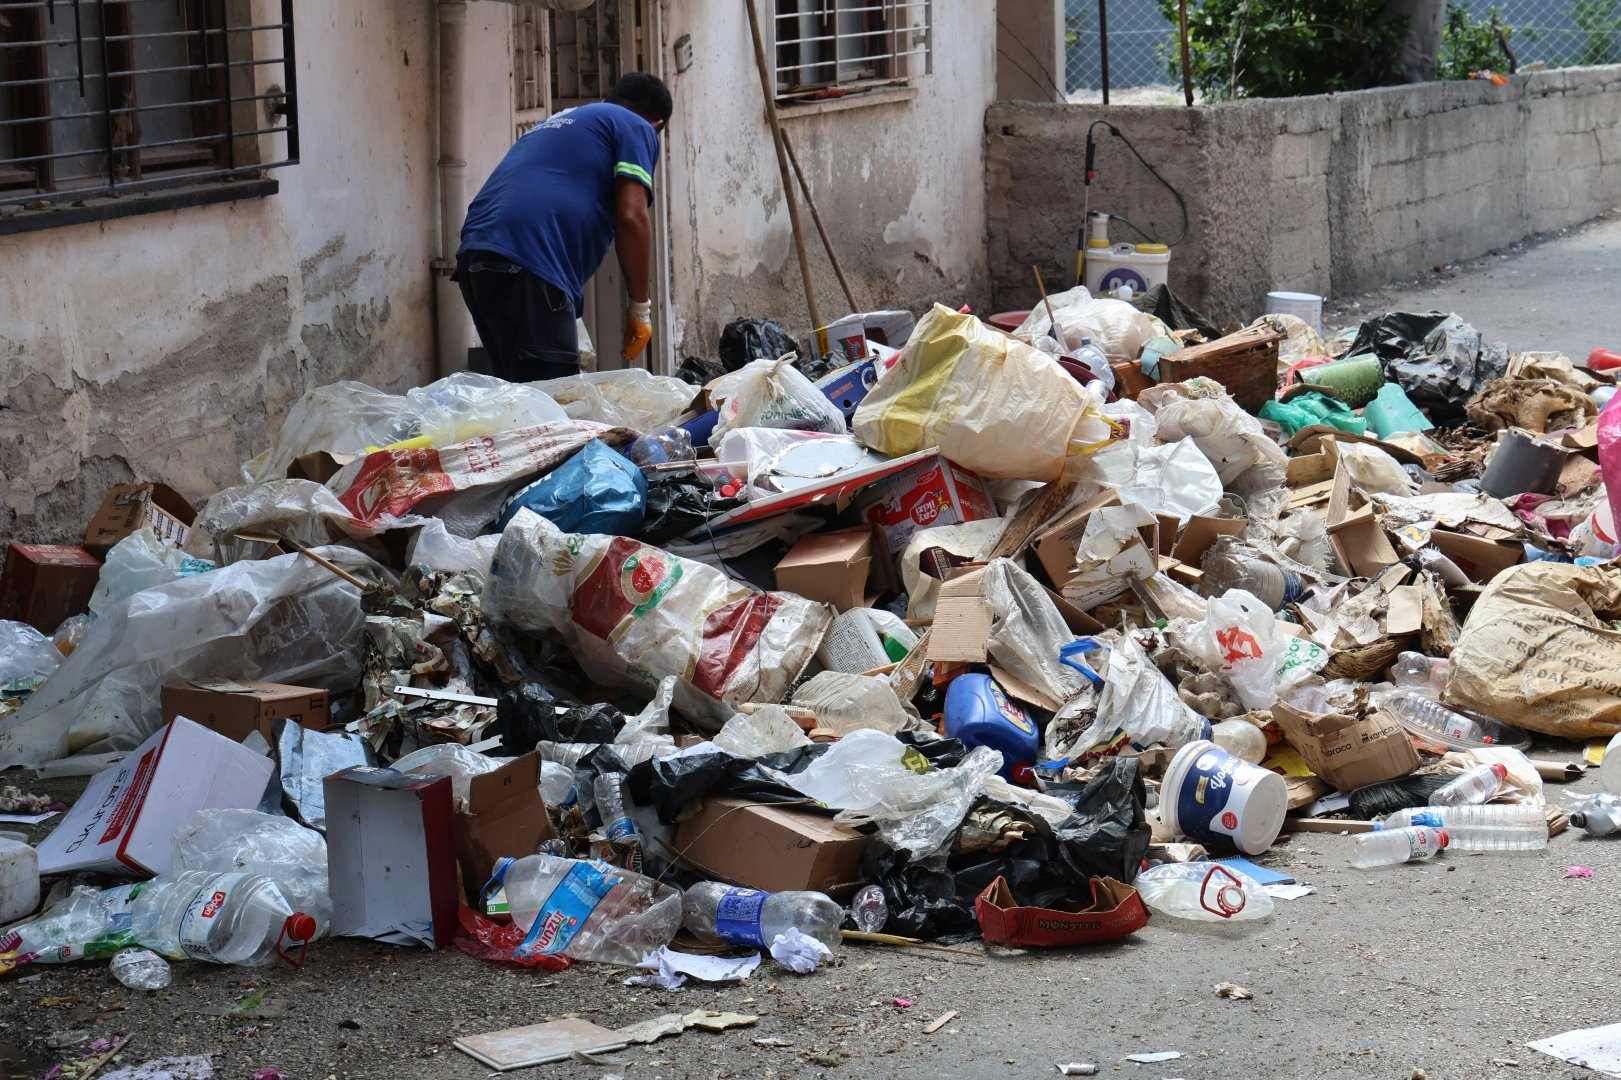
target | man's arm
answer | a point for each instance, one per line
(633, 238)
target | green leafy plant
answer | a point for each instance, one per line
(1600, 22)
(1284, 48)
(1470, 45)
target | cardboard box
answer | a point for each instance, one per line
(1481, 560)
(320, 466)
(238, 707)
(927, 494)
(1200, 532)
(1347, 752)
(1116, 911)
(506, 818)
(849, 568)
(1361, 544)
(773, 848)
(849, 386)
(128, 507)
(126, 818)
(42, 584)
(391, 856)
(1055, 545)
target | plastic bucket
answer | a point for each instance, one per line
(1220, 800)
(1522, 463)
(1305, 306)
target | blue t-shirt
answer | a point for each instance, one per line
(550, 205)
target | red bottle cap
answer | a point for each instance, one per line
(1445, 839)
(1501, 771)
(301, 926)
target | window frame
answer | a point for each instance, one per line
(902, 62)
(234, 108)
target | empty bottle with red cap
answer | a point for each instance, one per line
(1479, 785)
(223, 918)
(1388, 847)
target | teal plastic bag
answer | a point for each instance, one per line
(1312, 408)
(597, 490)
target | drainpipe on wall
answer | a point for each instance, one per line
(455, 325)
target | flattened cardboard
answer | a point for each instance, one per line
(506, 818)
(774, 848)
(391, 856)
(129, 507)
(1168, 524)
(126, 818)
(962, 620)
(43, 584)
(1115, 912)
(1406, 613)
(1200, 532)
(1361, 543)
(1480, 560)
(1055, 545)
(1585, 439)
(237, 708)
(1347, 752)
(848, 568)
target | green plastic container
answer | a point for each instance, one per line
(1356, 381)
(1390, 411)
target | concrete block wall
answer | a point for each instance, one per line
(1331, 194)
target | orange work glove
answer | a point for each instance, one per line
(638, 328)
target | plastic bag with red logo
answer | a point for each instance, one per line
(1240, 640)
(634, 614)
(478, 936)
(1203, 892)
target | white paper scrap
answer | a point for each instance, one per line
(1163, 1055)
(1597, 1048)
(1289, 892)
(670, 968)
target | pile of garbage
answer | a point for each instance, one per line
(920, 630)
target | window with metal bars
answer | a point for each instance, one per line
(104, 98)
(826, 48)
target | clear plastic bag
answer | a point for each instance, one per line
(62, 932)
(453, 760)
(246, 841)
(286, 620)
(630, 397)
(341, 418)
(1174, 478)
(467, 405)
(138, 562)
(68, 636)
(1207, 892)
(437, 547)
(769, 730)
(771, 460)
(1115, 327)
(844, 703)
(1027, 631)
(25, 653)
(772, 394)
(966, 540)
(1139, 703)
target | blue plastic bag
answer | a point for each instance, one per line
(596, 491)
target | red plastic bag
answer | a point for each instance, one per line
(478, 936)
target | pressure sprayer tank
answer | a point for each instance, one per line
(978, 713)
(1115, 267)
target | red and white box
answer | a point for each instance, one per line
(932, 493)
(124, 821)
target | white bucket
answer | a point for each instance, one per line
(1305, 306)
(1210, 796)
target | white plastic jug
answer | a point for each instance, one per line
(19, 880)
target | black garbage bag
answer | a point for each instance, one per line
(1439, 360)
(924, 898)
(745, 340)
(941, 753)
(1169, 309)
(814, 368)
(698, 371)
(668, 785)
(1396, 335)
(678, 505)
(529, 713)
(1388, 796)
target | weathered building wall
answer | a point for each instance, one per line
(168, 346)
(1331, 194)
(899, 185)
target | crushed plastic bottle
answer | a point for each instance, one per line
(587, 909)
(869, 909)
(1391, 847)
(1274, 586)
(716, 912)
(1419, 712)
(1486, 827)
(140, 969)
(1203, 892)
(1479, 785)
(1426, 674)
(1600, 815)
(610, 798)
(223, 918)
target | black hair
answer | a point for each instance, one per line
(643, 94)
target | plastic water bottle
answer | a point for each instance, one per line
(1479, 785)
(716, 912)
(869, 909)
(1272, 585)
(223, 918)
(585, 908)
(1415, 709)
(1600, 815)
(1419, 672)
(1388, 847)
(1092, 356)
(1487, 827)
(140, 969)
(610, 796)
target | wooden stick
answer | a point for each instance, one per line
(336, 569)
(939, 1022)
(816, 217)
(911, 943)
(782, 163)
(103, 1059)
(1187, 77)
(1057, 332)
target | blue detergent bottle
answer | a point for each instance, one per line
(978, 713)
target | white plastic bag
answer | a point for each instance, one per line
(1114, 326)
(1240, 639)
(629, 397)
(25, 653)
(1247, 460)
(967, 540)
(1174, 478)
(1027, 631)
(772, 394)
(436, 547)
(1139, 704)
(139, 561)
(647, 734)
(1208, 892)
(633, 614)
(986, 401)
(1375, 471)
(769, 730)
(844, 703)
(246, 841)
(286, 620)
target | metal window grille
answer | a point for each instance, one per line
(839, 44)
(531, 74)
(592, 49)
(102, 96)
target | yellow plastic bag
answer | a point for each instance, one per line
(987, 402)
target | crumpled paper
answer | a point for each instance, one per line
(798, 952)
(670, 968)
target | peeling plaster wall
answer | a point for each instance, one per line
(900, 186)
(1331, 194)
(169, 346)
